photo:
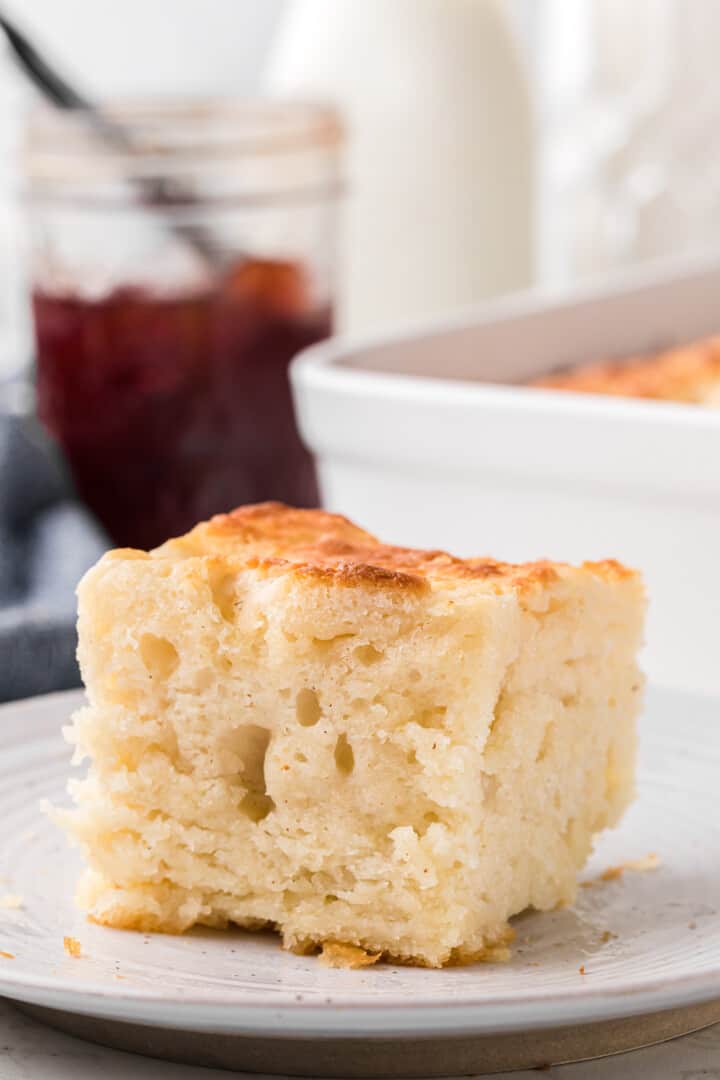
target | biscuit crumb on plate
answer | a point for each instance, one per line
(647, 862)
(335, 954)
(612, 873)
(651, 861)
(72, 947)
(7, 955)
(11, 902)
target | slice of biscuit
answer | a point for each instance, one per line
(292, 724)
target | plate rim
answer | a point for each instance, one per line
(332, 1020)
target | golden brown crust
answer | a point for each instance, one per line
(690, 373)
(327, 548)
(274, 522)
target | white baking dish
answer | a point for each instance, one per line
(420, 438)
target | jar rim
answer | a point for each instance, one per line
(236, 150)
(178, 127)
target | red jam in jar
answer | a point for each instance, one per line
(171, 408)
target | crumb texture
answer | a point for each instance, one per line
(368, 748)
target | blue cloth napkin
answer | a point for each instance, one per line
(47, 542)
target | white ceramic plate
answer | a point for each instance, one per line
(664, 952)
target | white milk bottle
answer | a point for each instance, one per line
(440, 198)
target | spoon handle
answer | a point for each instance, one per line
(153, 191)
(40, 71)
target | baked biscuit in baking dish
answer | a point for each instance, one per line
(688, 373)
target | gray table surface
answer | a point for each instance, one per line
(30, 1051)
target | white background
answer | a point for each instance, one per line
(153, 46)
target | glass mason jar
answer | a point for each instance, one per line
(179, 259)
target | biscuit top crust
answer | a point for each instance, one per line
(277, 539)
(689, 374)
